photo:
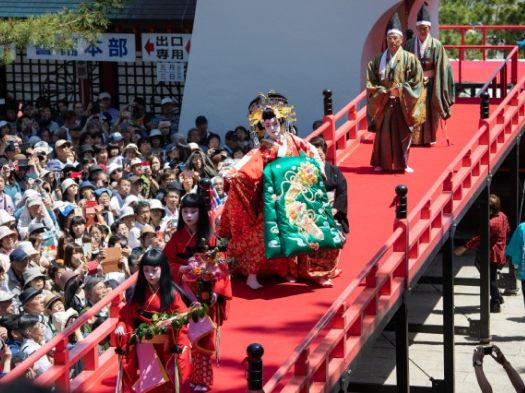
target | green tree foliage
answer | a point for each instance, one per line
(57, 31)
(484, 12)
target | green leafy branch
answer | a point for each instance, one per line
(59, 31)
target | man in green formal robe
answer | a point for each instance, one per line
(438, 79)
(395, 104)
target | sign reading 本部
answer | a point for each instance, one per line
(110, 47)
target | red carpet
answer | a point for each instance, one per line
(281, 314)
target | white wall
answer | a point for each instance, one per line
(298, 48)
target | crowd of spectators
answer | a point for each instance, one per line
(76, 181)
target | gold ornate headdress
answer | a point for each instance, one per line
(280, 107)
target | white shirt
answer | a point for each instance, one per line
(31, 347)
(134, 235)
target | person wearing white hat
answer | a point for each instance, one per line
(70, 191)
(62, 153)
(168, 114)
(34, 211)
(159, 220)
(157, 142)
(8, 239)
(128, 216)
(7, 220)
(130, 152)
(7, 305)
(104, 100)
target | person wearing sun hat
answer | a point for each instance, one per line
(53, 303)
(130, 152)
(35, 278)
(34, 210)
(62, 153)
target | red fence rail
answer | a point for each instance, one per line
(484, 29)
(322, 357)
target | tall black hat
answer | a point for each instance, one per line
(394, 26)
(423, 16)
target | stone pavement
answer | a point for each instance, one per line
(426, 350)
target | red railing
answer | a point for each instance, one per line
(343, 140)
(87, 349)
(501, 75)
(464, 29)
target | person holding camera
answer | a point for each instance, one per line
(497, 355)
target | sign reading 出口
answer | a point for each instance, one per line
(111, 47)
(165, 47)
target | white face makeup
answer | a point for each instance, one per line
(273, 128)
(152, 274)
(190, 215)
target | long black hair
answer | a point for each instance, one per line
(156, 258)
(203, 225)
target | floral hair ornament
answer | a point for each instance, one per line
(280, 107)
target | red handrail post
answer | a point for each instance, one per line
(484, 42)
(461, 52)
(329, 136)
(402, 244)
(114, 312)
(302, 366)
(514, 74)
(61, 358)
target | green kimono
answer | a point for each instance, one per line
(439, 87)
(394, 118)
(297, 215)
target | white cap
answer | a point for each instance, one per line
(5, 217)
(155, 204)
(33, 201)
(135, 161)
(126, 212)
(29, 193)
(166, 100)
(42, 146)
(104, 95)
(155, 133)
(67, 183)
(193, 146)
(113, 167)
(27, 247)
(129, 200)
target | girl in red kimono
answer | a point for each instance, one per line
(161, 367)
(194, 225)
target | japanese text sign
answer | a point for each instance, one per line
(166, 47)
(111, 47)
(170, 72)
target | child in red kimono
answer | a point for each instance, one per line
(194, 225)
(161, 367)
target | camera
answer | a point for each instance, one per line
(487, 350)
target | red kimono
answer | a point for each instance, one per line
(179, 249)
(130, 317)
(242, 219)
